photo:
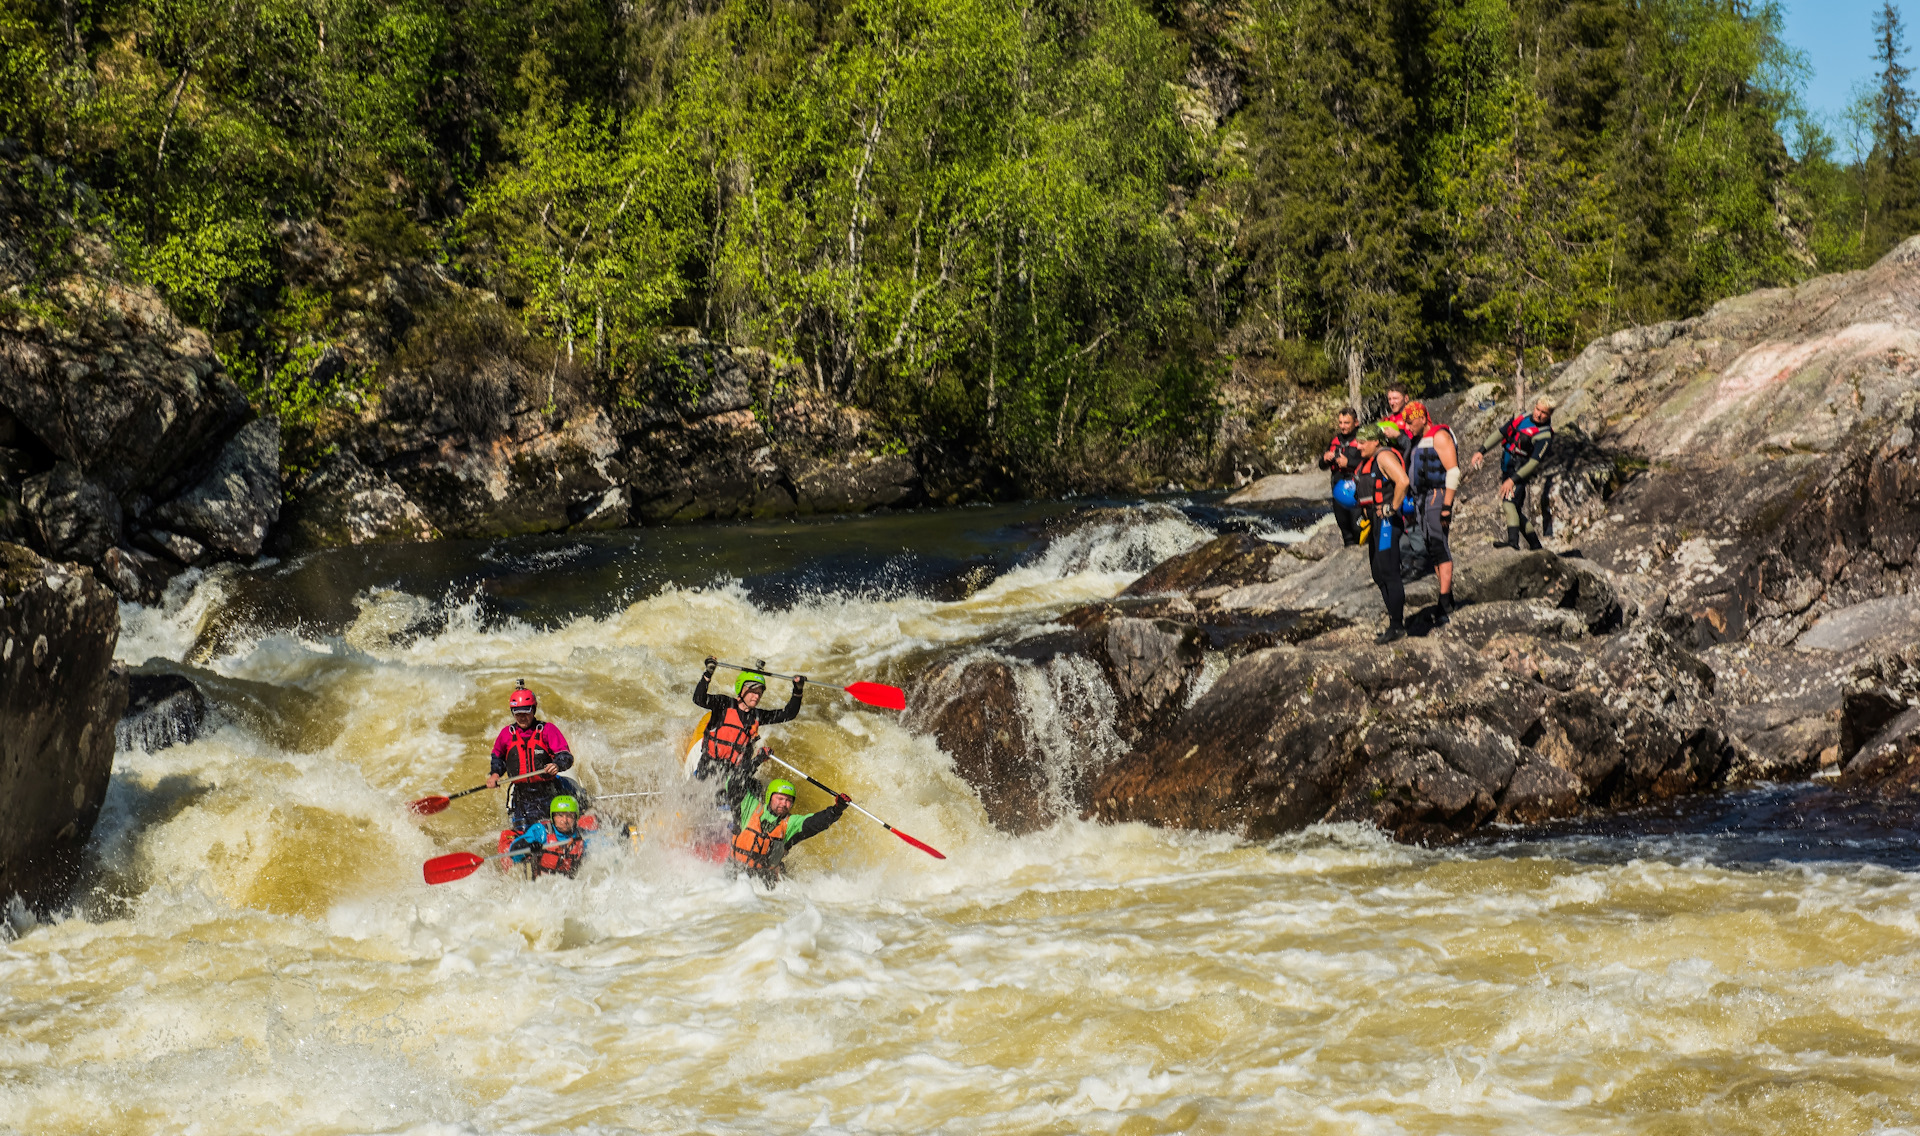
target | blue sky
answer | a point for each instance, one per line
(1837, 37)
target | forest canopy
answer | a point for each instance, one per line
(1032, 227)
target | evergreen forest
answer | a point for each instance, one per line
(1037, 228)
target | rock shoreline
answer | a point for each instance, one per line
(1728, 595)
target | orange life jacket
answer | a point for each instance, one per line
(753, 848)
(730, 735)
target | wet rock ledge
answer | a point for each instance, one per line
(60, 696)
(1726, 594)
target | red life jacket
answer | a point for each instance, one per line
(753, 848)
(521, 746)
(558, 856)
(1519, 441)
(730, 735)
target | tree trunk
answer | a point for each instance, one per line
(1356, 363)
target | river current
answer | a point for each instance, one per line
(253, 949)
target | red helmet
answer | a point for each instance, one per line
(522, 699)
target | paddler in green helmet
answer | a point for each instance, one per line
(768, 828)
(555, 846)
(727, 748)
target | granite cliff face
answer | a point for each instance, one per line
(124, 444)
(1727, 594)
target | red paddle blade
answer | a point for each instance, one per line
(878, 694)
(454, 866)
(427, 806)
(920, 844)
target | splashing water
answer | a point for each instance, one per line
(256, 952)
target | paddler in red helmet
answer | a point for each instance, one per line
(733, 728)
(528, 745)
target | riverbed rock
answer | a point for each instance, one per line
(1423, 740)
(60, 695)
(1284, 490)
(162, 710)
(517, 443)
(1890, 761)
(1228, 561)
(232, 507)
(971, 706)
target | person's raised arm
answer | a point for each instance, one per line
(791, 710)
(821, 821)
(702, 698)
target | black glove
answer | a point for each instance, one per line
(711, 663)
(799, 681)
(842, 800)
(1446, 519)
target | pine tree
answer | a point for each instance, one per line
(1333, 205)
(1893, 170)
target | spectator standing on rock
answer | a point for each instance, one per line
(1434, 473)
(1396, 406)
(1524, 443)
(1340, 461)
(1382, 484)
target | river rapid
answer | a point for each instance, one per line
(254, 950)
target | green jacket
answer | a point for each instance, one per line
(800, 826)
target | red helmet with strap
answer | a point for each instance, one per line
(522, 699)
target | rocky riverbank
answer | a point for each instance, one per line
(1727, 595)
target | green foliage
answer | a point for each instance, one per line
(1036, 232)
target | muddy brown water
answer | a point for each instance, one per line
(255, 950)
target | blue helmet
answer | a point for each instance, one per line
(1344, 494)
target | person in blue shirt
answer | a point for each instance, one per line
(556, 845)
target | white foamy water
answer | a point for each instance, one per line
(259, 954)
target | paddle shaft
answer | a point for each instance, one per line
(484, 788)
(429, 806)
(872, 693)
(836, 796)
(775, 674)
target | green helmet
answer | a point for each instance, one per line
(779, 785)
(740, 684)
(564, 804)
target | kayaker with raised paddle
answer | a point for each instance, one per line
(733, 727)
(535, 750)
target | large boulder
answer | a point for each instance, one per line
(60, 697)
(971, 704)
(232, 507)
(113, 412)
(1228, 561)
(1427, 740)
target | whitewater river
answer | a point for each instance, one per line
(255, 950)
